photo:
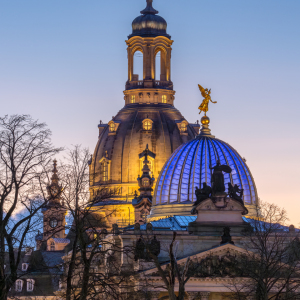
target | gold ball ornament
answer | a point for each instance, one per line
(205, 120)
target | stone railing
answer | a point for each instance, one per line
(163, 84)
(136, 84)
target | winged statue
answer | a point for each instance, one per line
(206, 95)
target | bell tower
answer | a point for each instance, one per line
(54, 213)
(149, 36)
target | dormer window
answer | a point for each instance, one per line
(132, 99)
(30, 285)
(24, 267)
(183, 127)
(164, 99)
(147, 124)
(19, 285)
(112, 127)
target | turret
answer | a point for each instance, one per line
(149, 36)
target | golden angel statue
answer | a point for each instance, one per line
(206, 95)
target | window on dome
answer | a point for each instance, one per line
(164, 99)
(147, 125)
(183, 127)
(132, 99)
(112, 127)
(104, 171)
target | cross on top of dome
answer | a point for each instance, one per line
(149, 9)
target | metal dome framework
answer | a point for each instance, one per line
(189, 167)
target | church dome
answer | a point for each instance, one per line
(189, 167)
(149, 24)
(135, 127)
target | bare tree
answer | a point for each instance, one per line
(270, 266)
(25, 153)
(91, 267)
(174, 275)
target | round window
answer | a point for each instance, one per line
(53, 223)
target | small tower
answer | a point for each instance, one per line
(149, 36)
(142, 203)
(54, 217)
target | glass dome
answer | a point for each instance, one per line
(188, 168)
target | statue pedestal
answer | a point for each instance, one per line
(216, 213)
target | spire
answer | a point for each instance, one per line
(149, 9)
(54, 189)
(54, 177)
(146, 181)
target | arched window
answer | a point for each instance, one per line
(138, 66)
(19, 285)
(104, 171)
(147, 125)
(112, 127)
(164, 98)
(132, 99)
(30, 285)
(24, 267)
(160, 65)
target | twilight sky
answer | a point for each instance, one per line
(65, 63)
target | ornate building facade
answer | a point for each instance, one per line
(165, 175)
(150, 119)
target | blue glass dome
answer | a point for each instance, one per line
(188, 168)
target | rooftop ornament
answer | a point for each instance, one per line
(206, 95)
(149, 9)
(205, 131)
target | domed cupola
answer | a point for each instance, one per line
(190, 166)
(149, 24)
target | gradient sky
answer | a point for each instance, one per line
(65, 63)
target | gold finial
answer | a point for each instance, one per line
(205, 120)
(204, 105)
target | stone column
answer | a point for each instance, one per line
(204, 295)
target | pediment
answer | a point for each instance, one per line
(220, 251)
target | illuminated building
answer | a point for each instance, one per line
(150, 118)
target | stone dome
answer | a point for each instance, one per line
(122, 148)
(188, 168)
(149, 24)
